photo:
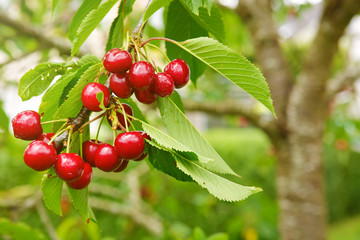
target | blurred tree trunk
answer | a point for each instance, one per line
(301, 105)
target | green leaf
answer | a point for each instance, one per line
(193, 5)
(209, 5)
(154, 6)
(86, 7)
(88, 58)
(128, 6)
(51, 187)
(232, 66)
(79, 199)
(72, 105)
(218, 186)
(189, 28)
(181, 129)
(51, 99)
(176, 98)
(89, 24)
(115, 39)
(164, 161)
(75, 140)
(136, 111)
(36, 80)
(4, 119)
(212, 22)
(198, 234)
(54, 4)
(18, 231)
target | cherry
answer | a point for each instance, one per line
(146, 96)
(84, 180)
(46, 137)
(122, 166)
(120, 116)
(120, 85)
(106, 158)
(117, 61)
(39, 155)
(163, 85)
(89, 148)
(179, 70)
(69, 166)
(144, 135)
(88, 96)
(26, 125)
(129, 145)
(141, 75)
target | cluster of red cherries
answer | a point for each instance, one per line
(125, 79)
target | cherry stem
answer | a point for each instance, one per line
(149, 59)
(98, 131)
(68, 141)
(114, 135)
(54, 121)
(160, 50)
(125, 120)
(57, 134)
(81, 142)
(158, 38)
(92, 120)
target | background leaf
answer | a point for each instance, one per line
(86, 7)
(212, 22)
(89, 23)
(4, 119)
(54, 4)
(193, 5)
(18, 231)
(232, 66)
(154, 6)
(36, 80)
(51, 188)
(189, 28)
(181, 129)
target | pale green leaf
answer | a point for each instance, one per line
(4, 119)
(80, 201)
(18, 231)
(154, 6)
(54, 4)
(231, 65)
(88, 58)
(181, 129)
(72, 105)
(220, 187)
(51, 187)
(86, 7)
(189, 28)
(116, 33)
(37, 80)
(89, 23)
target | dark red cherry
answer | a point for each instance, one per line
(123, 165)
(120, 116)
(163, 85)
(117, 61)
(46, 137)
(84, 180)
(141, 75)
(120, 85)
(106, 158)
(179, 70)
(69, 166)
(129, 145)
(88, 96)
(146, 96)
(145, 136)
(39, 155)
(89, 148)
(26, 125)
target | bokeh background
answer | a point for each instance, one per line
(146, 204)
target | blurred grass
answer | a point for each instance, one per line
(348, 229)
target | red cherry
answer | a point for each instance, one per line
(26, 125)
(163, 85)
(117, 61)
(46, 137)
(122, 166)
(120, 116)
(129, 145)
(146, 96)
(89, 148)
(88, 96)
(120, 85)
(69, 166)
(179, 70)
(106, 158)
(39, 155)
(141, 75)
(84, 180)
(144, 135)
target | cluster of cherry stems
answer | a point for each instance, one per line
(125, 79)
